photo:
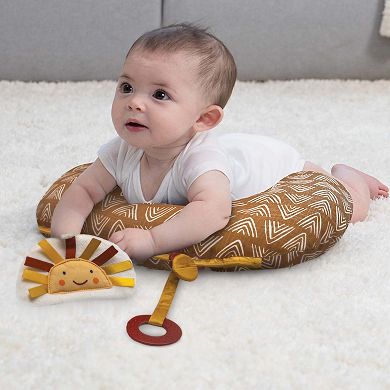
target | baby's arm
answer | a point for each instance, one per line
(78, 200)
(208, 211)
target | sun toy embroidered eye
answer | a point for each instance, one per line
(82, 264)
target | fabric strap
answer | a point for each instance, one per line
(186, 268)
(90, 249)
(105, 256)
(70, 252)
(122, 282)
(161, 311)
(36, 292)
(34, 276)
(50, 252)
(117, 267)
(39, 264)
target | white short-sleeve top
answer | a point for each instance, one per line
(251, 162)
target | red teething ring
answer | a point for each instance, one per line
(173, 331)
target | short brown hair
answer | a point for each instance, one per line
(217, 70)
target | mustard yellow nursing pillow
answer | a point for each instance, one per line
(296, 220)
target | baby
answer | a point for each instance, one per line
(175, 82)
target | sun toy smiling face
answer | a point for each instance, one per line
(75, 273)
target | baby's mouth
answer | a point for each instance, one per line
(135, 126)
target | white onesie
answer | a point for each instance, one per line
(252, 163)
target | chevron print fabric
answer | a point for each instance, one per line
(296, 220)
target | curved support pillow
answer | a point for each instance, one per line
(296, 220)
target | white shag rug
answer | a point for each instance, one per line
(320, 325)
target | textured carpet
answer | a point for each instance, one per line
(320, 325)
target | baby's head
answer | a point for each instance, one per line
(216, 69)
(174, 83)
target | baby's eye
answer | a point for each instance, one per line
(126, 88)
(160, 94)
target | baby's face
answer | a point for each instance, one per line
(157, 100)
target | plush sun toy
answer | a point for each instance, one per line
(81, 264)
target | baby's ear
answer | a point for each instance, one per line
(209, 118)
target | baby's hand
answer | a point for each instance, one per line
(137, 243)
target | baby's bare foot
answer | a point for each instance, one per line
(376, 187)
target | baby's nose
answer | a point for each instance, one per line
(136, 103)
(133, 107)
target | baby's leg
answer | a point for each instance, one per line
(361, 186)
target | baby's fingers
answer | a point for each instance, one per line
(117, 236)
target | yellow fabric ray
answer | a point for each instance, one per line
(90, 249)
(36, 292)
(34, 276)
(50, 252)
(122, 282)
(161, 311)
(117, 267)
